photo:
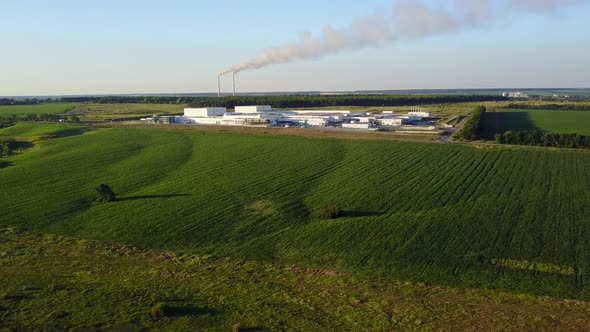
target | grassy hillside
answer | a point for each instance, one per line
(504, 218)
(57, 283)
(563, 122)
(101, 112)
(49, 108)
(33, 131)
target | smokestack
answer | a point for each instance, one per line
(218, 86)
(234, 80)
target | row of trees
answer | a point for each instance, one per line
(473, 127)
(27, 101)
(540, 138)
(556, 107)
(292, 101)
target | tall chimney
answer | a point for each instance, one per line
(218, 86)
(234, 80)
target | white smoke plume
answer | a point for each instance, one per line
(407, 19)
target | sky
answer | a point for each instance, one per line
(72, 47)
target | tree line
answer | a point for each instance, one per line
(473, 127)
(291, 101)
(552, 107)
(540, 138)
(27, 101)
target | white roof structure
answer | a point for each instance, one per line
(253, 109)
(204, 112)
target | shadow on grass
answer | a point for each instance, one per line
(21, 145)
(4, 164)
(360, 214)
(191, 311)
(69, 132)
(17, 298)
(145, 197)
(501, 122)
(252, 329)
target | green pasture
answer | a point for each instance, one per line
(55, 283)
(104, 112)
(434, 213)
(563, 122)
(32, 131)
(48, 108)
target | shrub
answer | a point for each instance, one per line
(6, 146)
(160, 310)
(331, 211)
(105, 193)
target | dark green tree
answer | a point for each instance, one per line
(105, 194)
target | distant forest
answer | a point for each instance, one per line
(290, 101)
(555, 107)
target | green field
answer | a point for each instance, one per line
(32, 131)
(563, 122)
(94, 112)
(50, 108)
(54, 283)
(504, 218)
(102, 112)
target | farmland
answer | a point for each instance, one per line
(50, 282)
(563, 122)
(91, 112)
(435, 213)
(49, 108)
(103, 112)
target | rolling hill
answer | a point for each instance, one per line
(513, 219)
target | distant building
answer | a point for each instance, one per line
(394, 122)
(253, 109)
(204, 112)
(419, 114)
(265, 116)
(515, 95)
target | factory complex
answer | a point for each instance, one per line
(265, 116)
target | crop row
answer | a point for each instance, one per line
(428, 212)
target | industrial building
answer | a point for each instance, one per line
(265, 116)
(515, 95)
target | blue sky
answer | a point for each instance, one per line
(90, 47)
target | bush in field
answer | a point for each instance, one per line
(160, 310)
(331, 211)
(6, 146)
(105, 193)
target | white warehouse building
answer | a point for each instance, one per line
(419, 114)
(253, 109)
(204, 112)
(264, 116)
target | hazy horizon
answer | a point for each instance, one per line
(148, 47)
